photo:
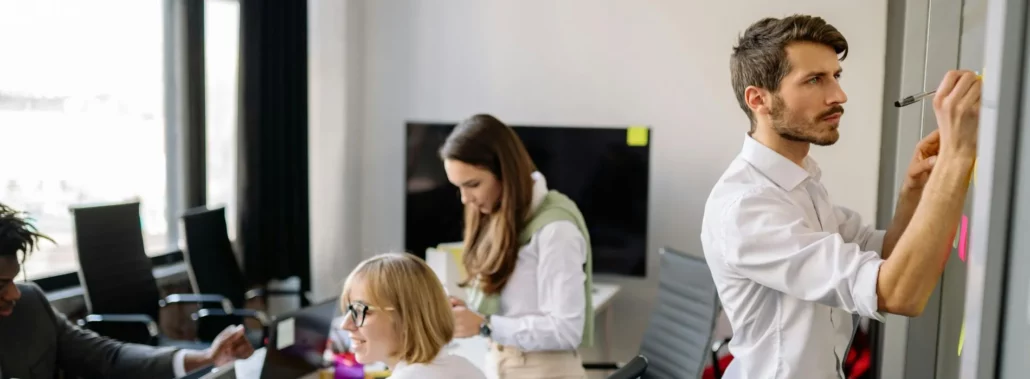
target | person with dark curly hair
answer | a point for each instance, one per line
(36, 340)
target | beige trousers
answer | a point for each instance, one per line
(506, 362)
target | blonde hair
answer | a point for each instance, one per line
(421, 311)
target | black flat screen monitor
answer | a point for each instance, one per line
(312, 330)
(606, 171)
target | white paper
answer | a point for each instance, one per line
(250, 367)
(284, 334)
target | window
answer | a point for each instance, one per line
(82, 116)
(221, 53)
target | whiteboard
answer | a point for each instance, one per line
(951, 325)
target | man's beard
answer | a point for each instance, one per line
(793, 128)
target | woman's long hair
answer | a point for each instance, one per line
(491, 241)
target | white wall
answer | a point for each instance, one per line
(580, 62)
(336, 92)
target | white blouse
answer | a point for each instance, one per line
(543, 303)
(444, 366)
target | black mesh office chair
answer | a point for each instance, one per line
(213, 269)
(678, 338)
(634, 369)
(122, 295)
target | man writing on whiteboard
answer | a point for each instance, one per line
(790, 267)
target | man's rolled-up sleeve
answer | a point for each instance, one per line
(768, 240)
(852, 229)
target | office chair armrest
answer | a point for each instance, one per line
(306, 298)
(199, 299)
(601, 366)
(716, 346)
(122, 322)
(210, 322)
(253, 314)
(261, 292)
(141, 319)
(254, 294)
(635, 368)
(241, 313)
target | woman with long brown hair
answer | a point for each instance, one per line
(527, 255)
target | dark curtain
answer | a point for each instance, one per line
(273, 141)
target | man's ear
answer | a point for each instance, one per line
(758, 99)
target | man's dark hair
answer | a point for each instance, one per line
(18, 234)
(760, 57)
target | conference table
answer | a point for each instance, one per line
(474, 349)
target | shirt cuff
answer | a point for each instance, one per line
(179, 363)
(864, 292)
(875, 242)
(504, 330)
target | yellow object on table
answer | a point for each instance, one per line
(330, 373)
(456, 249)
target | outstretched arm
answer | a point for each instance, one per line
(908, 278)
(919, 169)
(86, 353)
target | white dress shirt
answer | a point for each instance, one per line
(444, 366)
(179, 363)
(789, 266)
(543, 302)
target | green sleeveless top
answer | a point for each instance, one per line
(555, 207)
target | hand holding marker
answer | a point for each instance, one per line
(920, 96)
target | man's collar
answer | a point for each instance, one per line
(776, 167)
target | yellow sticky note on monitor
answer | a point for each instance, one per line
(637, 136)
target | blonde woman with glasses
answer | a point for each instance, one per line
(397, 313)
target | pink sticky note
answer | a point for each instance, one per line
(962, 234)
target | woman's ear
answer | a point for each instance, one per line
(402, 336)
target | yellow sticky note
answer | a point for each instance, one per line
(457, 250)
(637, 136)
(961, 338)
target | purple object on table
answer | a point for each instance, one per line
(346, 369)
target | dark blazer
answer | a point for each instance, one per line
(37, 342)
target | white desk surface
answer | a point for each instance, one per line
(603, 295)
(474, 348)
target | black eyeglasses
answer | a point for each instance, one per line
(357, 312)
